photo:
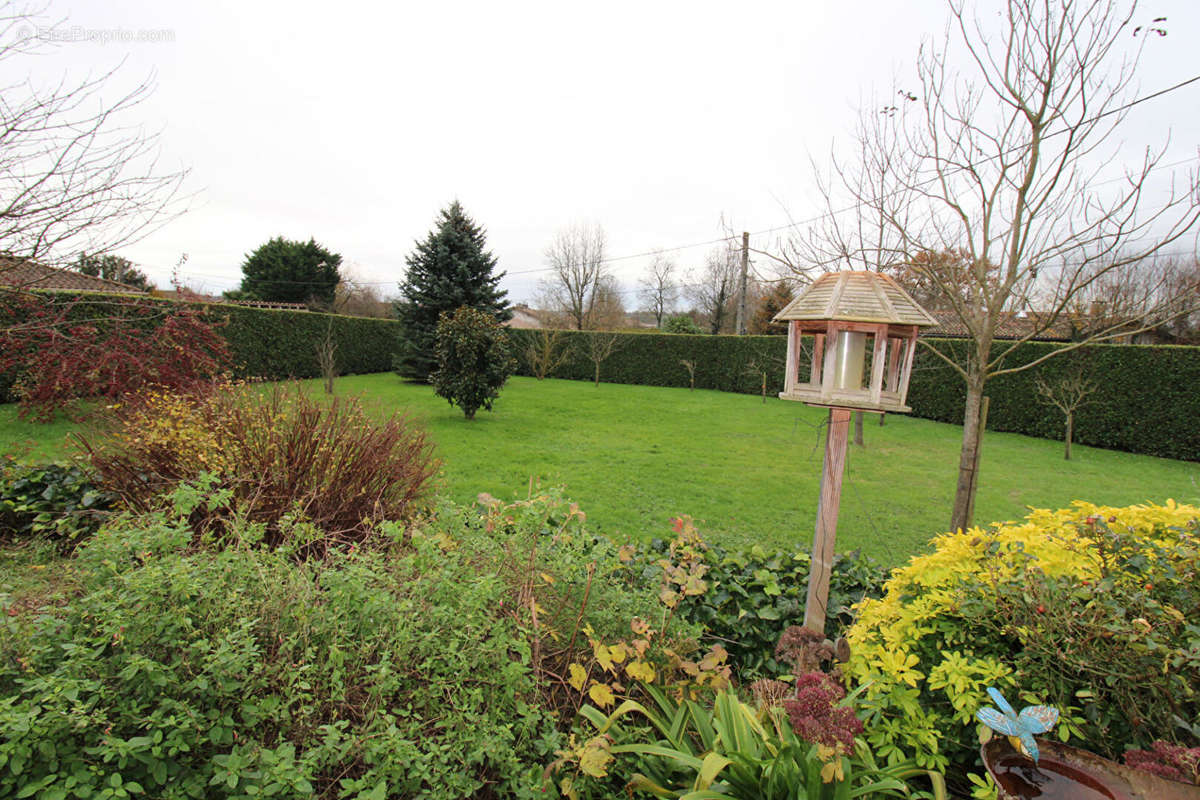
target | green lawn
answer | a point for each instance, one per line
(634, 456)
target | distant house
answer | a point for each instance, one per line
(1012, 325)
(524, 317)
(24, 273)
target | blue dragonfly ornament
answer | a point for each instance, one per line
(1019, 728)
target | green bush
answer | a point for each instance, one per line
(755, 594)
(1088, 609)
(681, 323)
(57, 500)
(473, 359)
(410, 671)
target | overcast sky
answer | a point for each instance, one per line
(354, 123)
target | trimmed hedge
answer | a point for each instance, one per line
(1147, 401)
(655, 359)
(267, 343)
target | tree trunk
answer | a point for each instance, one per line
(882, 419)
(968, 461)
(597, 374)
(1070, 429)
(764, 388)
(858, 428)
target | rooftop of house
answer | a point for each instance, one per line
(1012, 325)
(24, 273)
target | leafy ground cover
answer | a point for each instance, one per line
(633, 456)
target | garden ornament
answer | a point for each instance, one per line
(1019, 728)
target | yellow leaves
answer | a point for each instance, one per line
(548, 578)
(640, 671)
(578, 677)
(639, 626)
(626, 552)
(601, 694)
(603, 656)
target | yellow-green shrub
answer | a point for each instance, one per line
(1085, 608)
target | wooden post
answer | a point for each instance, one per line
(741, 306)
(827, 514)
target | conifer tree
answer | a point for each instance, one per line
(449, 269)
(287, 271)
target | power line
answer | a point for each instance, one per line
(827, 214)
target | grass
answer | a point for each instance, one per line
(748, 472)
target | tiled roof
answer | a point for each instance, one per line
(859, 297)
(27, 274)
(1011, 325)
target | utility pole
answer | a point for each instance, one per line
(741, 308)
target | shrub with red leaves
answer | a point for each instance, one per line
(1171, 761)
(103, 348)
(815, 715)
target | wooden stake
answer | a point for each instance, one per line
(827, 514)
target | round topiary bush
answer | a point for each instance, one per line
(1089, 609)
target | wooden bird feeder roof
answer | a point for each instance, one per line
(870, 297)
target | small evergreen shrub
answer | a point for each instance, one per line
(1089, 609)
(681, 323)
(473, 359)
(272, 454)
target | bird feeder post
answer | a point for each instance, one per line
(821, 563)
(841, 311)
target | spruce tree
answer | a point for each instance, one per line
(449, 269)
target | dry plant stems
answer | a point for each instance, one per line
(984, 184)
(279, 453)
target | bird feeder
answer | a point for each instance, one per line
(848, 314)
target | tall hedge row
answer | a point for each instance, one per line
(266, 343)
(1144, 401)
(1147, 399)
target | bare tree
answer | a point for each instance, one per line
(600, 345)
(546, 352)
(658, 289)
(608, 312)
(714, 290)
(579, 274)
(1000, 157)
(1067, 394)
(327, 357)
(77, 174)
(355, 297)
(690, 366)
